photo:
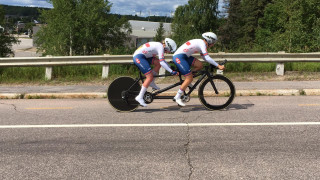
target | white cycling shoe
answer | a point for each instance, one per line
(141, 101)
(154, 86)
(180, 103)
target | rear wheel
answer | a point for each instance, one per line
(215, 100)
(121, 94)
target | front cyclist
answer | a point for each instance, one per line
(145, 55)
(183, 59)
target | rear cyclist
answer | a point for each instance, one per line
(183, 60)
(145, 55)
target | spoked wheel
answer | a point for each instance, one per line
(219, 98)
(121, 93)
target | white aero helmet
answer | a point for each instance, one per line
(170, 45)
(210, 37)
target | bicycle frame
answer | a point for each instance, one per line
(123, 91)
(202, 73)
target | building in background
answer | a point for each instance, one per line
(145, 31)
(142, 31)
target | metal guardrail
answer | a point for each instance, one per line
(49, 61)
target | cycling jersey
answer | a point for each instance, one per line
(150, 50)
(196, 46)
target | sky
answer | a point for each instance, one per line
(124, 7)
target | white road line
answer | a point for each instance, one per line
(159, 125)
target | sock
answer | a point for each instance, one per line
(142, 91)
(178, 95)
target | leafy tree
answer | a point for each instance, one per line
(160, 33)
(231, 30)
(6, 41)
(252, 11)
(239, 31)
(291, 26)
(81, 27)
(195, 18)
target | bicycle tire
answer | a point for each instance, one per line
(213, 101)
(116, 91)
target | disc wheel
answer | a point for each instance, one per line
(215, 101)
(121, 94)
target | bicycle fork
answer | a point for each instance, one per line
(213, 85)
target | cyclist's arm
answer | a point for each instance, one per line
(205, 56)
(165, 66)
(163, 63)
(210, 60)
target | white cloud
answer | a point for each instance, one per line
(152, 7)
(139, 7)
(176, 6)
(29, 3)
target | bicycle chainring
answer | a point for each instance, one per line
(185, 98)
(148, 97)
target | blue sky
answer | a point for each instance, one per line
(143, 7)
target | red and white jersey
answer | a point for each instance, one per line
(151, 49)
(195, 46)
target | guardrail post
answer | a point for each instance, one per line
(280, 69)
(48, 71)
(105, 69)
(162, 71)
(280, 66)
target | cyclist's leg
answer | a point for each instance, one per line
(155, 71)
(197, 65)
(144, 65)
(156, 63)
(186, 82)
(183, 63)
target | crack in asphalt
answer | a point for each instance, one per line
(14, 106)
(187, 145)
(187, 150)
(16, 109)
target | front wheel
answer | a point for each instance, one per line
(216, 94)
(121, 94)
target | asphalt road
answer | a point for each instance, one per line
(258, 137)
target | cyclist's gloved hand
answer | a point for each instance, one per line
(174, 72)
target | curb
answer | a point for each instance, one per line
(53, 95)
(95, 95)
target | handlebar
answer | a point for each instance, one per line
(215, 67)
(223, 62)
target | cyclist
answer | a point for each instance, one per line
(145, 55)
(183, 60)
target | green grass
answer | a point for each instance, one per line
(270, 67)
(93, 73)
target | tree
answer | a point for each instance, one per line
(160, 33)
(195, 18)
(252, 11)
(231, 30)
(6, 41)
(291, 26)
(81, 27)
(239, 31)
